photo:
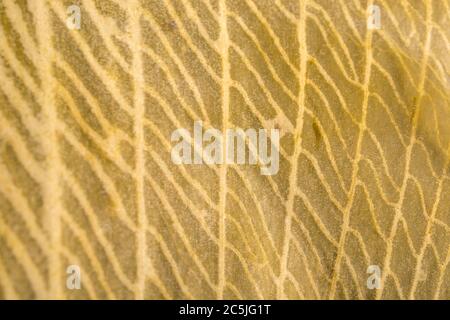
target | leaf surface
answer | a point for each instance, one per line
(86, 176)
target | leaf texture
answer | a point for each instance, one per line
(86, 176)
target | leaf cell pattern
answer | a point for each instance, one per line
(86, 176)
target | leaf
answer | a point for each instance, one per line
(87, 179)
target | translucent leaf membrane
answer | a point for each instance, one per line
(87, 179)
